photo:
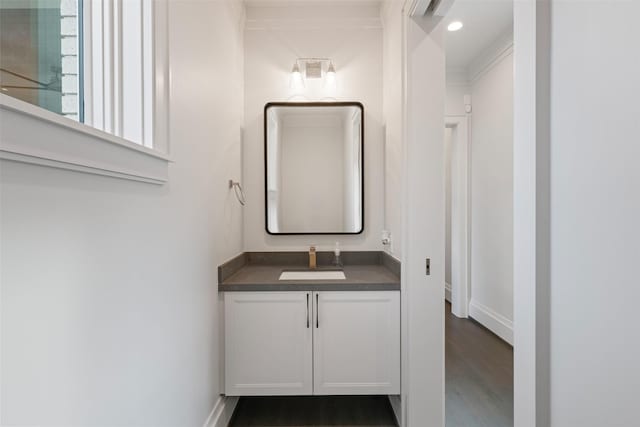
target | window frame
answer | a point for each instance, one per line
(86, 148)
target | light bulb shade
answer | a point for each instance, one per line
(331, 69)
(330, 78)
(296, 82)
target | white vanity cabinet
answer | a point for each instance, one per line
(268, 343)
(356, 343)
(322, 343)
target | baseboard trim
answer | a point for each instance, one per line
(222, 412)
(495, 322)
(396, 405)
(447, 291)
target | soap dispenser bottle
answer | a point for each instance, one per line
(337, 261)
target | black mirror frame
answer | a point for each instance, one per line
(362, 165)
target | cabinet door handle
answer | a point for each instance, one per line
(317, 312)
(307, 311)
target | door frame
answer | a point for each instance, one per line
(460, 214)
(531, 213)
(422, 301)
(423, 214)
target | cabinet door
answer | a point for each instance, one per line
(356, 342)
(268, 343)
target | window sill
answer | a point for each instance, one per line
(30, 134)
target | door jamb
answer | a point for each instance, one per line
(460, 215)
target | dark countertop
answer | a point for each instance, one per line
(265, 277)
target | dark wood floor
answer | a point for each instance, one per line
(479, 375)
(344, 411)
(479, 390)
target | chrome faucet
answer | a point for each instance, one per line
(312, 258)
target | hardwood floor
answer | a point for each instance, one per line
(479, 375)
(344, 411)
(479, 390)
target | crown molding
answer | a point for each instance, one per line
(490, 57)
(39, 137)
(313, 15)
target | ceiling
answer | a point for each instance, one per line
(485, 22)
(303, 2)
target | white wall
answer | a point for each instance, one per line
(352, 169)
(455, 97)
(492, 196)
(491, 176)
(109, 287)
(312, 190)
(349, 34)
(595, 212)
(393, 123)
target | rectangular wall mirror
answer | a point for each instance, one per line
(314, 167)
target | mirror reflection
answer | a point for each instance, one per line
(314, 168)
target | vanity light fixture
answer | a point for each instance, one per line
(455, 26)
(313, 69)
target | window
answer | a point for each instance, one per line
(40, 54)
(90, 75)
(93, 61)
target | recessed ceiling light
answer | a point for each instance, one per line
(455, 26)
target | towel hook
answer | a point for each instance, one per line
(237, 189)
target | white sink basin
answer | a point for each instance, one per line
(312, 275)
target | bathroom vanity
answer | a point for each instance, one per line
(291, 328)
(311, 335)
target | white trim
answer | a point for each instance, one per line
(460, 214)
(447, 291)
(396, 405)
(222, 411)
(87, 47)
(40, 137)
(35, 159)
(118, 75)
(161, 77)
(495, 322)
(531, 224)
(108, 69)
(13, 104)
(313, 24)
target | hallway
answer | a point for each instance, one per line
(478, 375)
